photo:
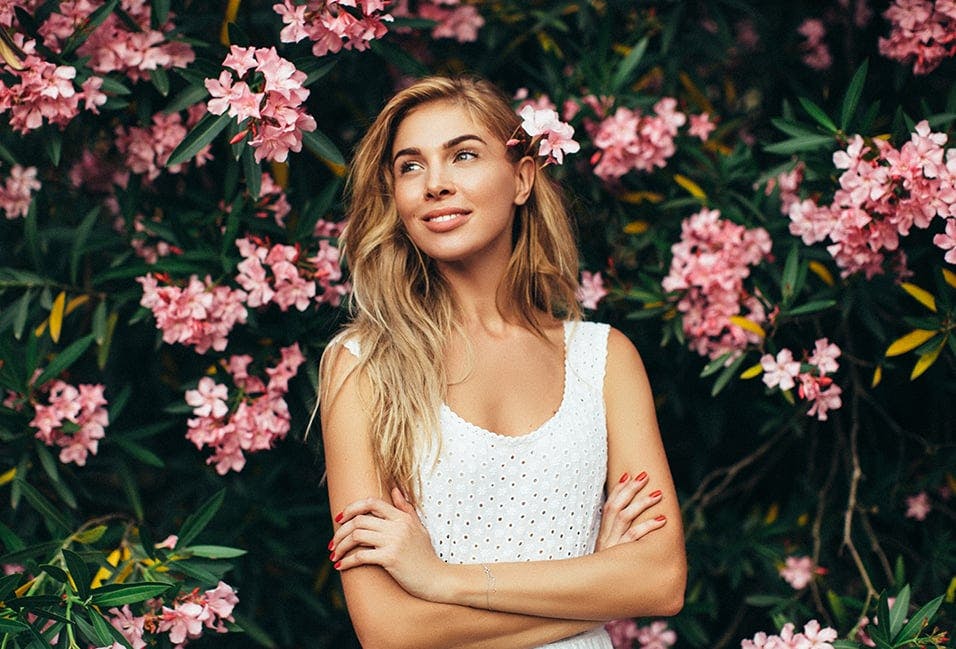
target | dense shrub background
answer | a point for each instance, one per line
(760, 479)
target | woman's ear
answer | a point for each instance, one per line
(525, 170)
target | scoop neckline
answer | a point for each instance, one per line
(547, 422)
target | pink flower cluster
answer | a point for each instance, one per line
(656, 635)
(251, 420)
(452, 18)
(553, 137)
(272, 104)
(709, 265)
(185, 620)
(333, 25)
(591, 290)
(813, 637)
(884, 192)
(201, 313)
(918, 506)
(116, 46)
(630, 140)
(281, 275)
(45, 91)
(816, 54)
(922, 32)
(799, 571)
(815, 385)
(73, 418)
(16, 193)
(145, 150)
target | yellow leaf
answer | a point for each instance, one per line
(8, 476)
(910, 341)
(22, 590)
(695, 94)
(41, 328)
(692, 187)
(773, 512)
(877, 376)
(79, 300)
(951, 591)
(56, 316)
(926, 360)
(653, 305)
(951, 482)
(337, 169)
(950, 277)
(639, 197)
(922, 296)
(822, 272)
(803, 519)
(788, 395)
(636, 227)
(748, 325)
(232, 10)
(8, 54)
(280, 173)
(752, 371)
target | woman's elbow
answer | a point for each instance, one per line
(672, 593)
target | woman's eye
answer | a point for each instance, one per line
(407, 166)
(465, 155)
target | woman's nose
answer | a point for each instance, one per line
(437, 183)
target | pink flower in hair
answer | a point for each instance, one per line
(554, 137)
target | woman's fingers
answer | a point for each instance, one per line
(642, 528)
(625, 503)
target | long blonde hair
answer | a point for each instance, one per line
(403, 310)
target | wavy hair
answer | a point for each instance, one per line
(403, 310)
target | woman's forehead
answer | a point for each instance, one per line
(435, 123)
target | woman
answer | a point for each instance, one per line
(471, 424)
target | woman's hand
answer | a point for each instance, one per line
(392, 536)
(623, 506)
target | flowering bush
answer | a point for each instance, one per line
(761, 193)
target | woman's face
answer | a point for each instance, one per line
(455, 188)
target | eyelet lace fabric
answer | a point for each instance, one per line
(491, 498)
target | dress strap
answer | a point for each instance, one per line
(586, 348)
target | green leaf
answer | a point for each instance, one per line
(80, 572)
(817, 114)
(214, 551)
(6, 156)
(852, 97)
(119, 594)
(104, 636)
(22, 310)
(790, 270)
(252, 172)
(32, 552)
(56, 572)
(81, 234)
(64, 359)
(9, 583)
(792, 128)
(99, 322)
(399, 58)
(918, 620)
(12, 627)
(714, 365)
(90, 535)
(810, 307)
(95, 20)
(319, 144)
(160, 80)
(628, 65)
(53, 139)
(801, 144)
(160, 12)
(139, 452)
(44, 507)
(189, 96)
(900, 610)
(729, 372)
(202, 134)
(198, 520)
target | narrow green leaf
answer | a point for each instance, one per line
(99, 322)
(103, 353)
(12, 627)
(790, 269)
(64, 359)
(9, 583)
(792, 128)
(90, 535)
(319, 144)
(252, 172)
(918, 620)
(44, 507)
(314, 69)
(139, 452)
(214, 551)
(800, 144)
(80, 572)
(899, 611)
(80, 236)
(714, 365)
(53, 140)
(852, 97)
(55, 572)
(95, 20)
(810, 307)
(119, 594)
(189, 96)
(817, 114)
(202, 134)
(6, 156)
(131, 489)
(104, 638)
(31, 552)
(160, 12)
(198, 573)
(729, 372)
(628, 65)
(31, 236)
(22, 310)
(399, 58)
(160, 80)
(197, 521)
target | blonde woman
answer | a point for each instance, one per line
(475, 430)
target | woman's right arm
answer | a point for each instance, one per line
(383, 614)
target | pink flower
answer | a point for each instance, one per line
(629, 140)
(554, 136)
(221, 601)
(656, 636)
(780, 372)
(16, 194)
(208, 400)
(816, 54)
(922, 33)
(129, 625)
(183, 622)
(918, 507)
(945, 240)
(799, 571)
(701, 126)
(813, 637)
(591, 290)
(330, 26)
(825, 356)
(622, 632)
(73, 419)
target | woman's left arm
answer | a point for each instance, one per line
(634, 579)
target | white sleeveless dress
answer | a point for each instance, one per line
(491, 498)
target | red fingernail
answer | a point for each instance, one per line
(623, 478)
(660, 518)
(338, 564)
(640, 476)
(339, 517)
(332, 545)
(332, 556)
(653, 494)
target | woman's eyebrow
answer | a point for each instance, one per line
(455, 141)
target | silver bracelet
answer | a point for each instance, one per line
(489, 585)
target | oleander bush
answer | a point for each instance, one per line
(765, 197)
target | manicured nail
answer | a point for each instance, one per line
(332, 544)
(338, 564)
(653, 494)
(660, 518)
(623, 477)
(339, 517)
(640, 476)
(331, 556)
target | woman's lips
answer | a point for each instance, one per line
(445, 219)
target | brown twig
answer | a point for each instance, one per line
(851, 505)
